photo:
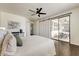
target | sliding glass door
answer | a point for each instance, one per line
(54, 29)
(61, 29)
(64, 29)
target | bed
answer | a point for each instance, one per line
(36, 46)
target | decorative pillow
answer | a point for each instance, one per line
(9, 45)
(2, 34)
(18, 40)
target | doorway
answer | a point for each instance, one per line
(32, 29)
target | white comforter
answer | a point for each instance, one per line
(36, 46)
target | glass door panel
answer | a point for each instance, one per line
(54, 31)
(64, 29)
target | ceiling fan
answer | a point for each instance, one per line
(38, 12)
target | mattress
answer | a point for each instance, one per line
(36, 46)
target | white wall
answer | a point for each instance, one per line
(24, 22)
(74, 25)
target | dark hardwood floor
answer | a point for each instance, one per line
(66, 49)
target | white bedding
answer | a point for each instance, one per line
(36, 46)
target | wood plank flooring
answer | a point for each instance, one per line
(66, 49)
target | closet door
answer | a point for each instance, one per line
(44, 28)
(54, 29)
(64, 29)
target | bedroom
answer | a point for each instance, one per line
(45, 33)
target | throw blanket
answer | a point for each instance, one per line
(8, 46)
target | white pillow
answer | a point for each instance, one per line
(2, 34)
(9, 45)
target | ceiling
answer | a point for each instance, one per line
(49, 8)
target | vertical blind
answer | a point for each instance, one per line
(44, 28)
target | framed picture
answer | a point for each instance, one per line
(13, 25)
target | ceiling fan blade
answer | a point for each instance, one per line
(43, 13)
(38, 10)
(39, 15)
(32, 11)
